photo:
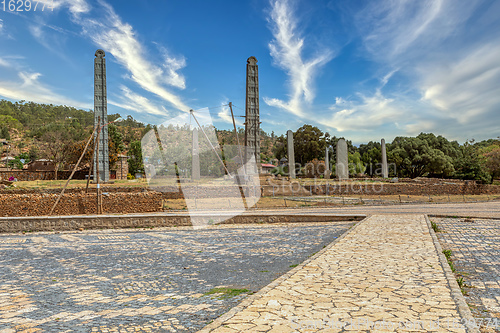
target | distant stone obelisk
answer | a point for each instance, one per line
(327, 163)
(195, 164)
(342, 167)
(252, 123)
(291, 154)
(101, 159)
(385, 169)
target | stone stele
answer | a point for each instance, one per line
(385, 169)
(342, 166)
(291, 154)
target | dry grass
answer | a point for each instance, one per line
(297, 202)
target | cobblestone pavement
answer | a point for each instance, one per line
(475, 246)
(148, 281)
(384, 275)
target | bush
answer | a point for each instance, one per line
(315, 168)
(129, 176)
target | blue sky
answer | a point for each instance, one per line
(364, 70)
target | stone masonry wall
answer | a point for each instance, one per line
(27, 224)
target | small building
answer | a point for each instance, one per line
(42, 165)
(121, 167)
(283, 161)
(267, 168)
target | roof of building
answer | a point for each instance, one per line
(268, 165)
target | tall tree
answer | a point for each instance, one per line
(309, 143)
(470, 166)
(135, 164)
(414, 157)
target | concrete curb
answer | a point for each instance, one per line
(250, 299)
(456, 293)
(76, 222)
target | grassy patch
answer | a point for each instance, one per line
(447, 254)
(435, 227)
(294, 265)
(223, 293)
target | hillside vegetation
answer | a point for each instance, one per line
(59, 133)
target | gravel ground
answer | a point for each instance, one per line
(155, 280)
(475, 246)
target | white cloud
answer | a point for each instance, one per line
(119, 39)
(447, 57)
(30, 87)
(172, 65)
(3, 31)
(4, 63)
(467, 88)
(286, 50)
(137, 103)
(76, 7)
(371, 112)
(225, 115)
(399, 31)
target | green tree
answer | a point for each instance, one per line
(490, 153)
(356, 166)
(470, 165)
(414, 157)
(309, 143)
(4, 132)
(279, 148)
(371, 156)
(135, 164)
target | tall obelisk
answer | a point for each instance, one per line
(252, 124)
(101, 112)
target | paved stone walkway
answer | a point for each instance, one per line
(384, 275)
(143, 280)
(475, 246)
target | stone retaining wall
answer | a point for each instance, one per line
(125, 200)
(28, 224)
(23, 175)
(380, 188)
(75, 204)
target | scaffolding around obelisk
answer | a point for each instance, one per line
(101, 157)
(252, 123)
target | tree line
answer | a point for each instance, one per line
(59, 133)
(408, 157)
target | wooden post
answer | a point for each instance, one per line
(72, 173)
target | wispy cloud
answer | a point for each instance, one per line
(225, 115)
(286, 50)
(76, 7)
(29, 86)
(171, 66)
(137, 103)
(4, 63)
(447, 57)
(396, 31)
(52, 44)
(467, 88)
(363, 115)
(3, 31)
(119, 39)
